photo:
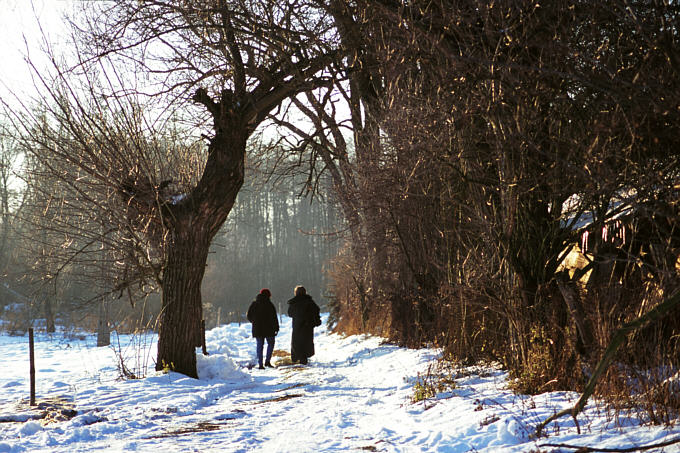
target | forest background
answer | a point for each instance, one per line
(498, 179)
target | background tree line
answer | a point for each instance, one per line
(273, 238)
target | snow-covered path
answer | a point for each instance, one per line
(338, 403)
(354, 396)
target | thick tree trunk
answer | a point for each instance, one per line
(103, 332)
(193, 224)
(49, 315)
(181, 310)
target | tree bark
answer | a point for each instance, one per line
(103, 332)
(49, 315)
(181, 309)
(193, 224)
(584, 328)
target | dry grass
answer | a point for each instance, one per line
(281, 358)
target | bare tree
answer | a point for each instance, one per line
(115, 152)
(495, 127)
(531, 116)
(9, 191)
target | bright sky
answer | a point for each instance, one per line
(20, 33)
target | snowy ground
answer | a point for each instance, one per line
(355, 396)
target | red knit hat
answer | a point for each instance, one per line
(266, 292)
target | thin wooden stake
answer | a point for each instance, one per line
(205, 349)
(32, 356)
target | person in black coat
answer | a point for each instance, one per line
(305, 314)
(262, 314)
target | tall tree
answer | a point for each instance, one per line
(9, 160)
(238, 61)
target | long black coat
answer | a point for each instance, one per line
(305, 314)
(262, 314)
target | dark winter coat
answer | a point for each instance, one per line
(305, 314)
(262, 314)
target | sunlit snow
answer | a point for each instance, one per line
(356, 395)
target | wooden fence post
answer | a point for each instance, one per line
(32, 359)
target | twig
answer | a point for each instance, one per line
(584, 449)
(617, 340)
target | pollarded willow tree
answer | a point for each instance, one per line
(237, 61)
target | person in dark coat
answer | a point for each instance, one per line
(262, 314)
(305, 314)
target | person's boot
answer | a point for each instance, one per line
(303, 361)
(268, 364)
(260, 367)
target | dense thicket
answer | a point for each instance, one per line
(502, 127)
